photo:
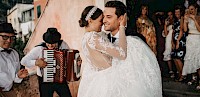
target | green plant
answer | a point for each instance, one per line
(19, 45)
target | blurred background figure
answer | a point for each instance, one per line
(178, 41)
(168, 30)
(146, 28)
(192, 57)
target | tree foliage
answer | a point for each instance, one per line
(19, 46)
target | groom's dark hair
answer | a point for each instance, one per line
(120, 7)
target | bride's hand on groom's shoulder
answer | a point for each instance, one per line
(124, 20)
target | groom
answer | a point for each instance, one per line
(112, 12)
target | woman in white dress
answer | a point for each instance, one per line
(111, 72)
(192, 57)
(98, 52)
(168, 41)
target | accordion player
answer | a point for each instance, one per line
(61, 65)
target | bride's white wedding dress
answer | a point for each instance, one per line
(136, 76)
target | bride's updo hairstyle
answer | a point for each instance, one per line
(89, 12)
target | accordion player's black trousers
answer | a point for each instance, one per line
(47, 89)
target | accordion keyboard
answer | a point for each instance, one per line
(50, 69)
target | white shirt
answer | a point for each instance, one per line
(115, 36)
(35, 53)
(9, 66)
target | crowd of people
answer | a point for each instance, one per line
(181, 32)
(180, 28)
(116, 65)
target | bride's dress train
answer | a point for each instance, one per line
(139, 73)
(137, 76)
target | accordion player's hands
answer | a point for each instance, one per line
(41, 63)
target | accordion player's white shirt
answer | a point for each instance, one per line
(35, 53)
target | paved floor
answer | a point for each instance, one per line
(172, 88)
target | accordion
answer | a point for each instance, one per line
(61, 65)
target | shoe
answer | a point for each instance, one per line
(194, 78)
(172, 76)
(181, 79)
(198, 87)
(170, 72)
(192, 81)
(189, 83)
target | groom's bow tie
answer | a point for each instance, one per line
(7, 50)
(112, 39)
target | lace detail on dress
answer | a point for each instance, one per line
(101, 44)
(138, 75)
(93, 50)
(86, 53)
(146, 67)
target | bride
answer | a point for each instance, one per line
(98, 52)
(116, 70)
